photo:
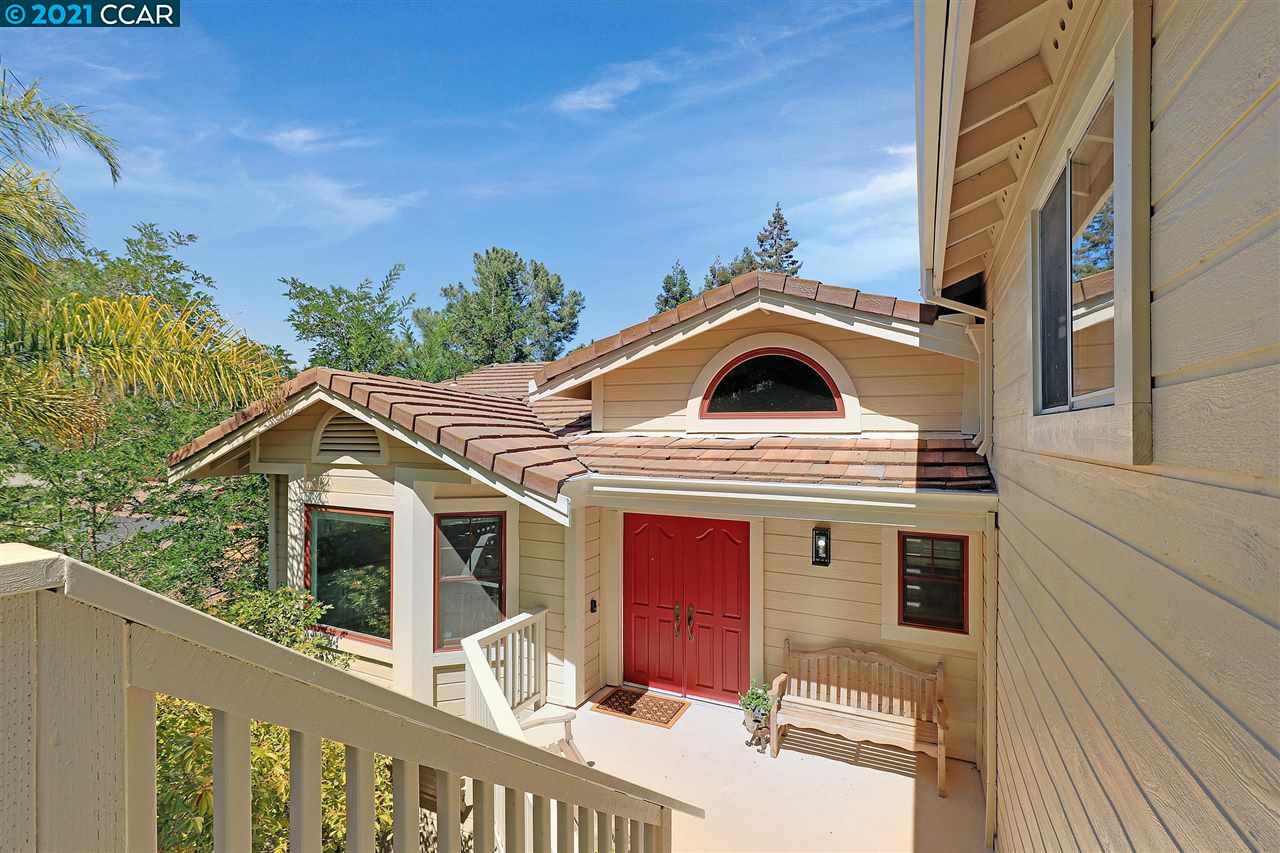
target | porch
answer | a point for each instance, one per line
(821, 793)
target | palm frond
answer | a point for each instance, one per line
(38, 402)
(37, 224)
(134, 343)
(29, 124)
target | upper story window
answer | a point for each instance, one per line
(772, 382)
(348, 567)
(1075, 275)
(471, 575)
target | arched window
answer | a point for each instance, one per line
(773, 382)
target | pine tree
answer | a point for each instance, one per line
(775, 246)
(675, 289)
(513, 311)
(721, 273)
(1094, 249)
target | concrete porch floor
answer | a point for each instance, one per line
(822, 793)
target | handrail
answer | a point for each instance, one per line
(506, 671)
(106, 645)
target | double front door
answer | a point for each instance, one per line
(686, 588)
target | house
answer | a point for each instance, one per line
(657, 492)
(1100, 188)
(1058, 477)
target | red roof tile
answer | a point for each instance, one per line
(801, 288)
(500, 434)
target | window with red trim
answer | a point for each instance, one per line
(471, 574)
(933, 581)
(348, 568)
(772, 382)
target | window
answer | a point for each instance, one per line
(471, 575)
(348, 567)
(933, 582)
(772, 382)
(1076, 275)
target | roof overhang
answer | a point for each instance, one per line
(944, 338)
(238, 442)
(817, 501)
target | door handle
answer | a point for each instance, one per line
(690, 621)
(676, 625)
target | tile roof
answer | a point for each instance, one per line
(803, 288)
(926, 463)
(506, 380)
(500, 434)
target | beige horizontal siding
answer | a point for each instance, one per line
(593, 670)
(450, 689)
(900, 388)
(542, 585)
(839, 605)
(1139, 609)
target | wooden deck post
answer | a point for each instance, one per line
(360, 829)
(232, 794)
(140, 771)
(406, 794)
(305, 761)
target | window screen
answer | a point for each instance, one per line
(1093, 229)
(772, 382)
(933, 581)
(1055, 298)
(350, 570)
(472, 581)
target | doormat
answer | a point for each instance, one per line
(643, 706)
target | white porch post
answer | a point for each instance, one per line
(412, 588)
(575, 538)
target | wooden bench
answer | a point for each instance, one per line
(864, 696)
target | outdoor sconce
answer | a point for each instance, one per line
(822, 546)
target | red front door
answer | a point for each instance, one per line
(685, 604)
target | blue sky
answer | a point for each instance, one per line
(331, 140)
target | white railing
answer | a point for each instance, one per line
(85, 653)
(507, 671)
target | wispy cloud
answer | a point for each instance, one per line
(867, 232)
(301, 139)
(614, 83)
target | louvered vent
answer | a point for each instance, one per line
(345, 435)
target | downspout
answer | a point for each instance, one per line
(981, 338)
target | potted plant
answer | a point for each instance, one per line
(755, 703)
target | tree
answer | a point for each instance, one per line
(433, 356)
(363, 329)
(775, 247)
(721, 274)
(675, 289)
(513, 311)
(64, 356)
(1094, 250)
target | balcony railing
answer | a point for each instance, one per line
(507, 671)
(85, 653)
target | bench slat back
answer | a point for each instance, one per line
(863, 679)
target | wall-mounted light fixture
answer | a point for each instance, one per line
(822, 546)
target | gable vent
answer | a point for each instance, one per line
(345, 435)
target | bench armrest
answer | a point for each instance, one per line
(779, 688)
(566, 717)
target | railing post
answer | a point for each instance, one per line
(586, 829)
(232, 794)
(406, 796)
(604, 832)
(514, 813)
(620, 834)
(305, 764)
(541, 824)
(564, 827)
(634, 844)
(140, 770)
(448, 812)
(482, 815)
(508, 668)
(360, 829)
(540, 650)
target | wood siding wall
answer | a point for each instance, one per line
(1138, 609)
(593, 670)
(542, 585)
(839, 605)
(900, 388)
